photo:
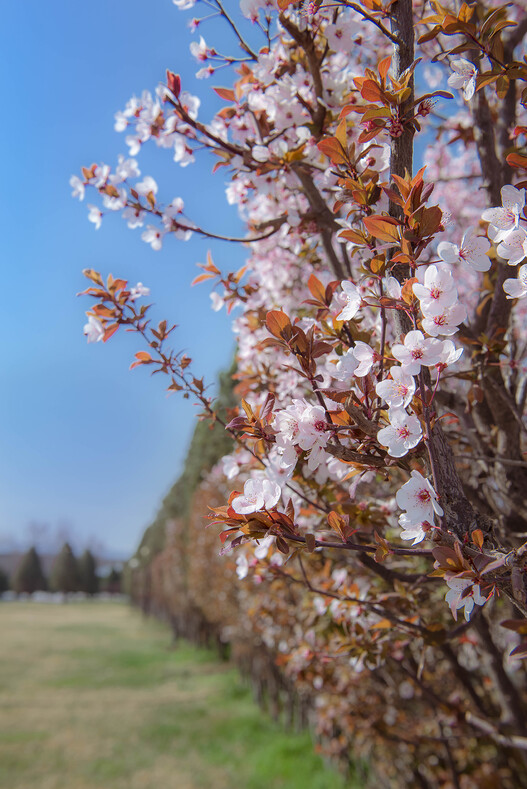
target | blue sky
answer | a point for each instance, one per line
(88, 447)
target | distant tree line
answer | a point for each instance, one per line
(68, 574)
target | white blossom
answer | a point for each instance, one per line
(463, 593)
(507, 216)
(94, 330)
(153, 236)
(464, 77)
(472, 251)
(353, 300)
(402, 434)
(258, 494)
(513, 248)
(517, 288)
(419, 499)
(417, 351)
(398, 390)
(138, 290)
(95, 215)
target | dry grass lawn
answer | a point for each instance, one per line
(95, 697)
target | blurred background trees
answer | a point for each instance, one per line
(29, 576)
(65, 574)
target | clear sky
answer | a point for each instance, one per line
(89, 448)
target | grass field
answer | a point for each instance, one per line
(94, 697)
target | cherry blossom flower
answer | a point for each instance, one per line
(242, 566)
(449, 354)
(417, 531)
(446, 322)
(377, 156)
(393, 287)
(353, 301)
(138, 290)
(263, 545)
(437, 292)
(95, 216)
(398, 390)
(419, 499)
(100, 177)
(94, 330)
(146, 186)
(257, 494)
(134, 217)
(417, 351)
(199, 49)
(402, 434)
(513, 248)
(127, 168)
(312, 427)
(217, 301)
(517, 288)
(463, 593)
(205, 72)
(230, 466)
(115, 202)
(77, 184)
(345, 368)
(340, 33)
(277, 470)
(366, 356)
(260, 153)
(506, 217)
(153, 236)
(464, 77)
(472, 251)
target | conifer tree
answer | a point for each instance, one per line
(4, 581)
(29, 576)
(89, 582)
(65, 573)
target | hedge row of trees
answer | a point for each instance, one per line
(68, 574)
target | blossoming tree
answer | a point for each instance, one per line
(381, 359)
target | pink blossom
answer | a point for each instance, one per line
(95, 216)
(345, 367)
(417, 351)
(403, 433)
(417, 531)
(146, 186)
(513, 248)
(94, 330)
(77, 184)
(517, 288)
(419, 499)
(199, 50)
(353, 301)
(138, 290)
(398, 390)
(258, 494)
(464, 77)
(472, 251)
(366, 356)
(506, 217)
(446, 322)
(153, 236)
(449, 353)
(463, 593)
(437, 292)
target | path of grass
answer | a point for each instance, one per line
(94, 697)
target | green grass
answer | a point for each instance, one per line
(95, 697)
